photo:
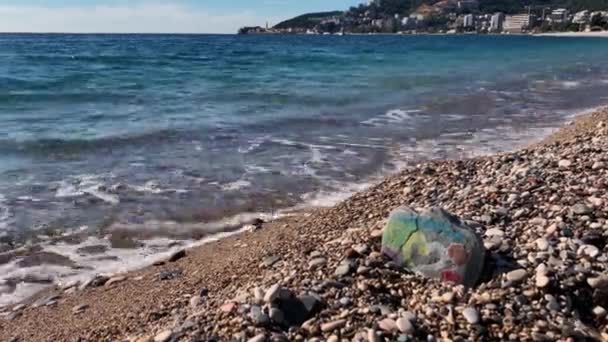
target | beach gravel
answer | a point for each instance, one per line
(541, 210)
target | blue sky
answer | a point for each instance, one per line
(212, 16)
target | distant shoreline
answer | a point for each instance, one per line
(602, 34)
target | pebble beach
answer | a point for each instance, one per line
(319, 275)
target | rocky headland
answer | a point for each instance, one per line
(320, 276)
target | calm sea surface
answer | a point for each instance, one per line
(156, 138)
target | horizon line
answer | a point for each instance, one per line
(118, 33)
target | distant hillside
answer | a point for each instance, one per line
(306, 21)
(511, 6)
(390, 7)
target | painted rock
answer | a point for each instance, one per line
(434, 243)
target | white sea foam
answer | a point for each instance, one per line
(570, 84)
(256, 169)
(327, 198)
(316, 155)
(5, 213)
(114, 261)
(85, 184)
(236, 185)
(392, 116)
(286, 142)
(253, 144)
(153, 187)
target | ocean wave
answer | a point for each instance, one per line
(5, 213)
(393, 116)
(86, 185)
(45, 146)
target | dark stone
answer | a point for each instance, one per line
(96, 249)
(123, 241)
(13, 315)
(258, 317)
(177, 255)
(258, 223)
(333, 284)
(567, 232)
(204, 292)
(46, 301)
(170, 274)
(40, 258)
(595, 240)
(270, 260)
(299, 310)
(99, 281)
(5, 258)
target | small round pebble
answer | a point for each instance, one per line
(517, 275)
(471, 315)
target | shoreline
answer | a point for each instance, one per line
(142, 306)
(597, 34)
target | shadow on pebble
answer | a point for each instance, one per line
(496, 264)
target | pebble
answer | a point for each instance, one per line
(388, 325)
(372, 336)
(195, 301)
(115, 280)
(18, 307)
(599, 311)
(258, 317)
(163, 336)
(333, 325)
(517, 275)
(276, 316)
(79, 308)
(271, 260)
(542, 244)
(551, 229)
(228, 307)
(177, 255)
(409, 316)
(344, 268)
(272, 293)
(494, 232)
(258, 295)
(542, 280)
(596, 202)
(317, 262)
(170, 274)
(598, 282)
(447, 297)
(589, 250)
(405, 325)
(362, 248)
(471, 315)
(564, 163)
(581, 209)
(598, 165)
(258, 338)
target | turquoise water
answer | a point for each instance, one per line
(155, 134)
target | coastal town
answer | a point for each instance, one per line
(444, 16)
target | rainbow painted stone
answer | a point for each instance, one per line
(435, 244)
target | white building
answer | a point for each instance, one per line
(559, 15)
(581, 17)
(517, 23)
(496, 22)
(468, 21)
